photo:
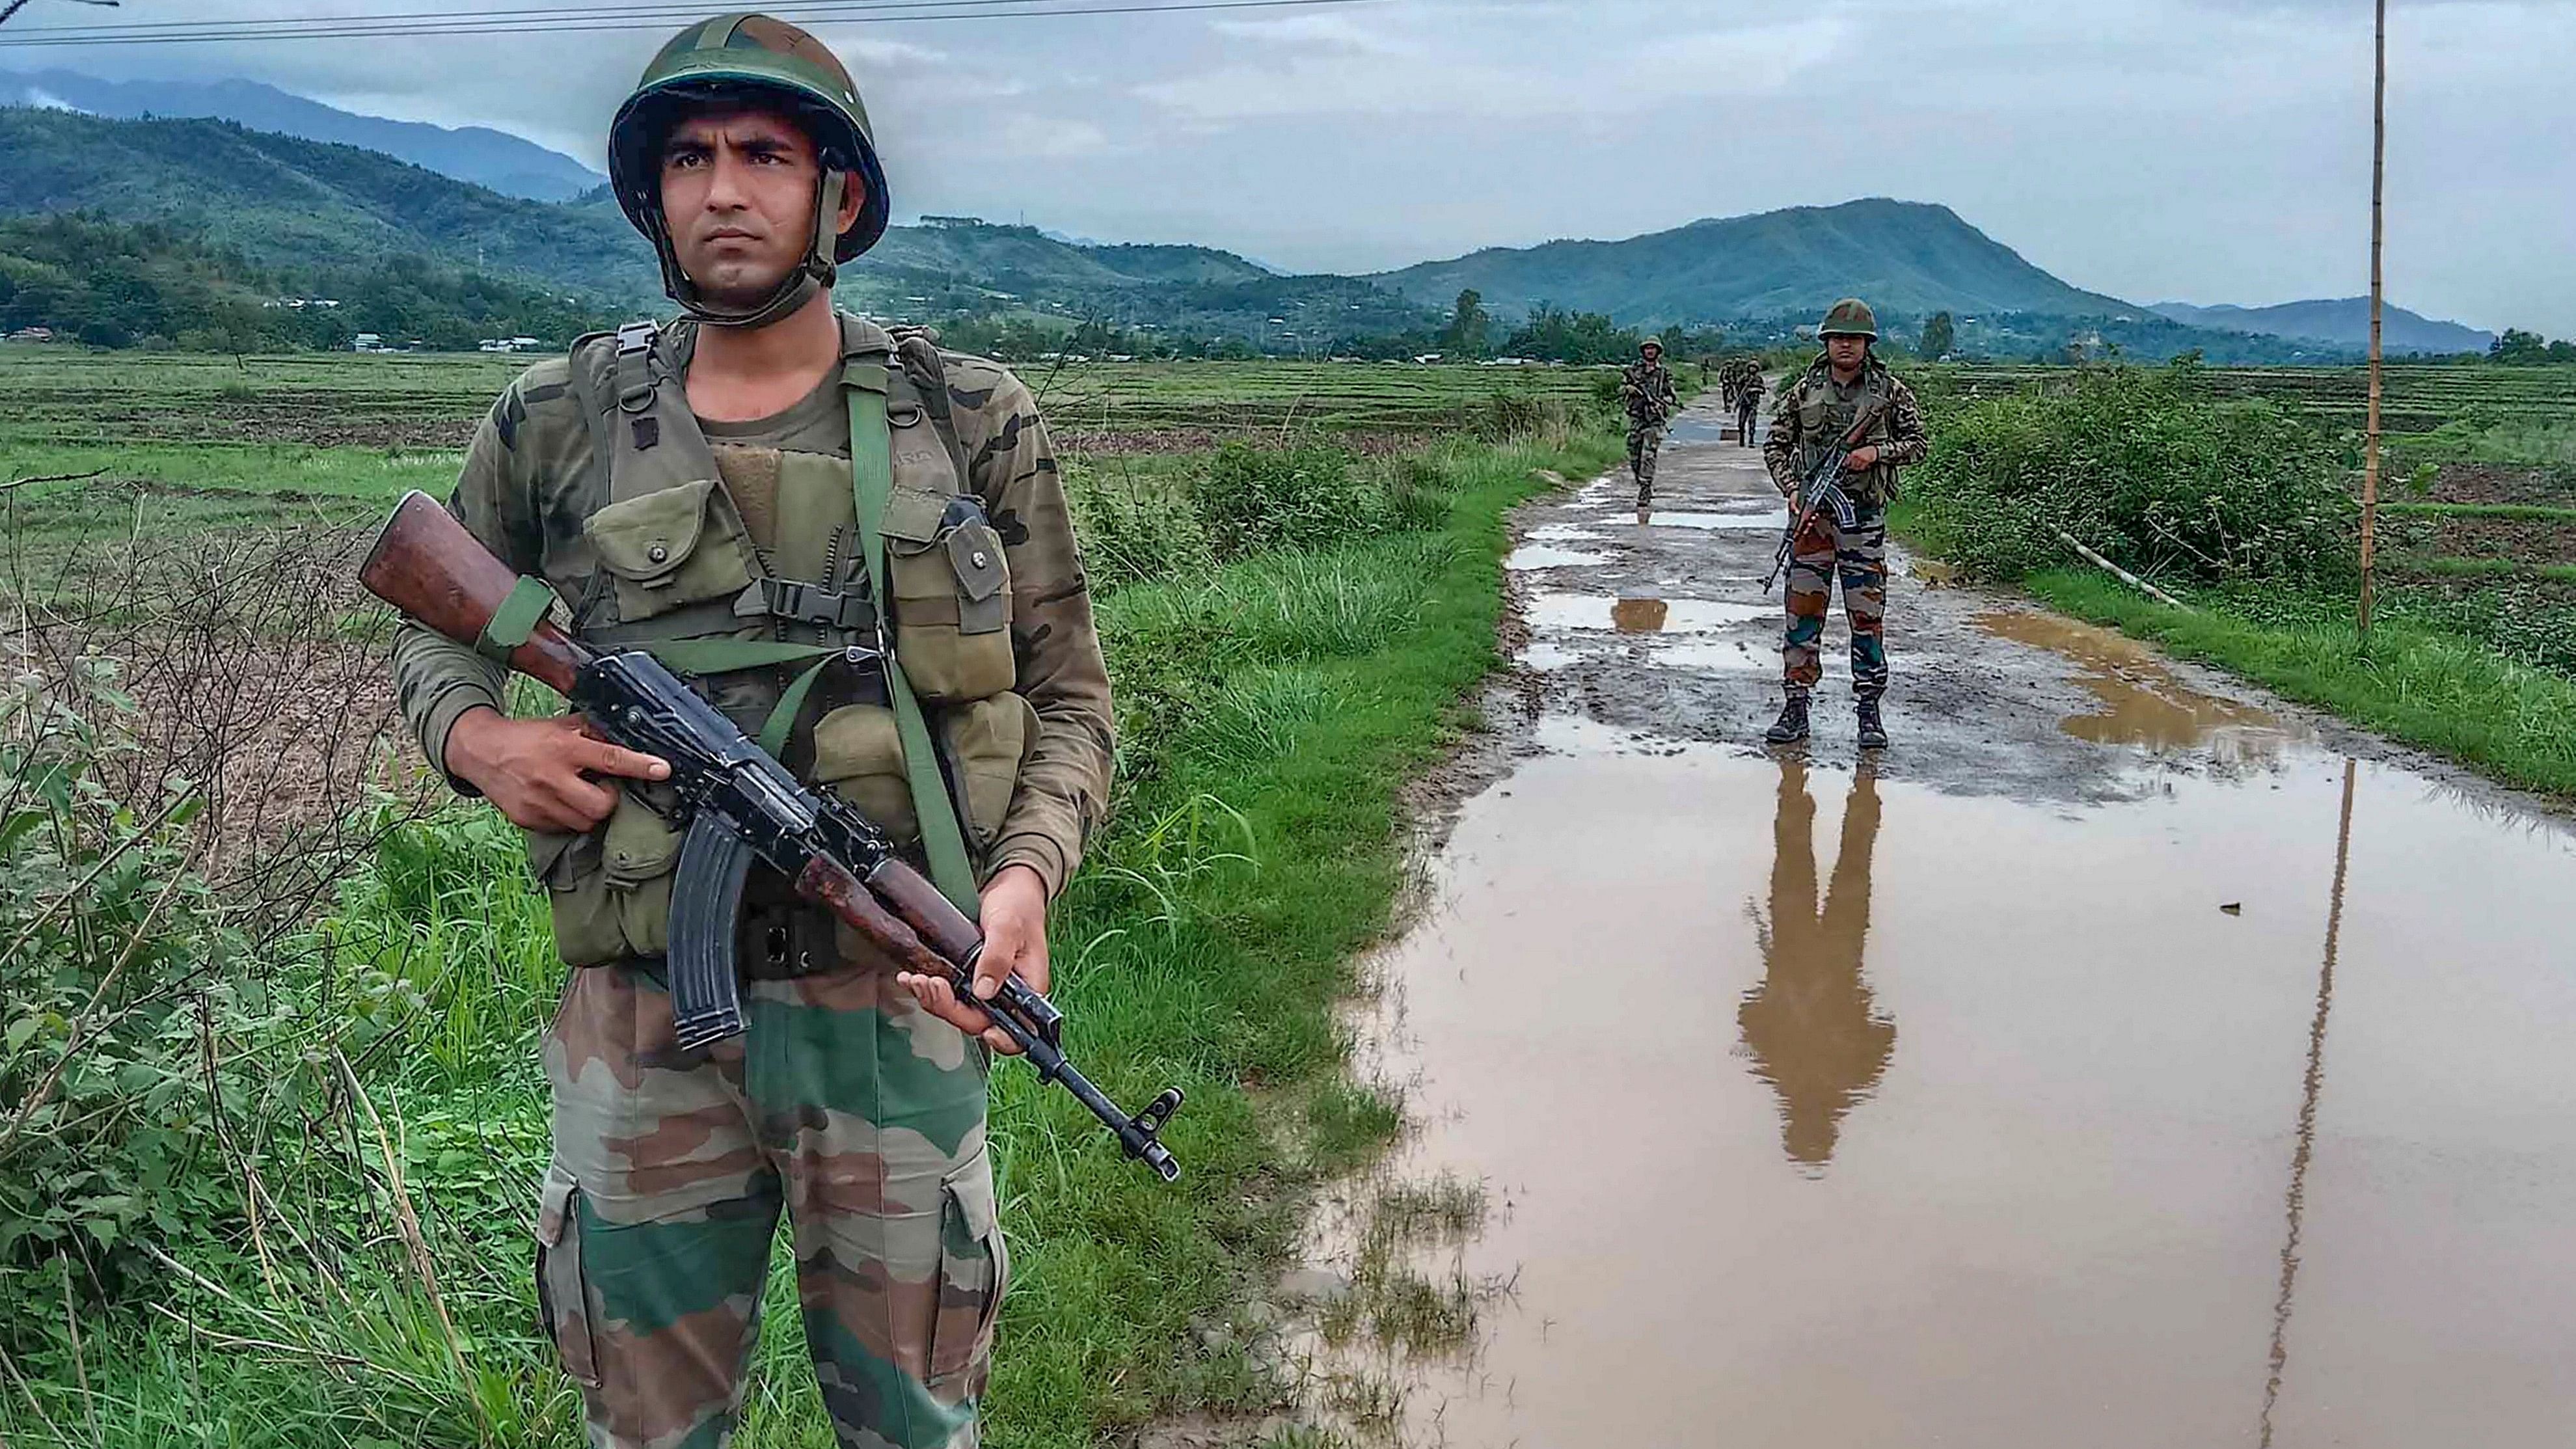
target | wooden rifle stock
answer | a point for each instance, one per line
(427, 565)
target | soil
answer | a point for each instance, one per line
(2500, 483)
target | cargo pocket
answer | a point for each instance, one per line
(952, 603)
(989, 741)
(563, 1301)
(610, 890)
(859, 756)
(974, 1273)
(669, 548)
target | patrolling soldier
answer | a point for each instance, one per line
(1810, 418)
(857, 547)
(1646, 389)
(1748, 403)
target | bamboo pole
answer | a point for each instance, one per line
(2378, 239)
(2123, 575)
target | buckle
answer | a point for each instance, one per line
(813, 604)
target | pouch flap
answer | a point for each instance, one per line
(856, 740)
(638, 845)
(975, 551)
(554, 1206)
(550, 852)
(972, 1187)
(645, 540)
(912, 517)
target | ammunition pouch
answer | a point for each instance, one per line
(762, 632)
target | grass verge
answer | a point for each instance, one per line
(2425, 687)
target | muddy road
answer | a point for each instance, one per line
(2123, 1058)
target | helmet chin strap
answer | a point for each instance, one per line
(812, 274)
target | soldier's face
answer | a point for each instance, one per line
(738, 192)
(1652, 355)
(1847, 353)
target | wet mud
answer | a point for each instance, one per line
(2122, 1058)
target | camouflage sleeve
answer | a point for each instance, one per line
(435, 678)
(1063, 791)
(1909, 440)
(1780, 445)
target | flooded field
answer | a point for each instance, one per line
(2202, 1080)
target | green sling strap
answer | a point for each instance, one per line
(943, 840)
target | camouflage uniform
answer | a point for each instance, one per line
(845, 1103)
(1810, 416)
(1646, 389)
(1748, 406)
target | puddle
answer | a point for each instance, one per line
(1563, 533)
(1717, 656)
(1840, 1111)
(1543, 556)
(1773, 520)
(1599, 611)
(2143, 702)
(1545, 655)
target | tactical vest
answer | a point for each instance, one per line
(905, 712)
(1822, 421)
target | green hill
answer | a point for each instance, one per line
(1907, 258)
(282, 201)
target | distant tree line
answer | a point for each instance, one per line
(2517, 348)
(116, 284)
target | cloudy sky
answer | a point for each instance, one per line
(2203, 150)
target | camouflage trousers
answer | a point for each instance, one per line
(1857, 556)
(845, 1104)
(1645, 440)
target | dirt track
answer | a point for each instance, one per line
(2123, 1058)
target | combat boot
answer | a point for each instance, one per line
(1791, 727)
(1873, 732)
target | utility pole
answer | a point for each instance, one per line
(2378, 239)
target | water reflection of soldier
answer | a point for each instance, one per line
(1809, 1024)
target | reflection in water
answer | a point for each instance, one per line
(2143, 703)
(2307, 1133)
(1809, 1024)
(1639, 616)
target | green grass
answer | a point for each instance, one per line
(2525, 512)
(1271, 710)
(2424, 687)
(2443, 567)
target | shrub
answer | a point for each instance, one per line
(2147, 466)
(1260, 499)
(1135, 528)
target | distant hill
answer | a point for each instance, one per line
(494, 159)
(2344, 321)
(281, 200)
(1907, 258)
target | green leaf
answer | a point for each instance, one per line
(22, 1029)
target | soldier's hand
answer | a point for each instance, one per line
(1015, 944)
(1861, 459)
(539, 772)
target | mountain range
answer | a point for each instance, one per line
(494, 159)
(2344, 321)
(292, 202)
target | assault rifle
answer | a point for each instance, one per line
(739, 804)
(1822, 488)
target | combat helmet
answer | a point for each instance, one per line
(1849, 317)
(1643, 343)
(755, 58)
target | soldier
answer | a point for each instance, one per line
(1647, 391)
(744, 492)
(1748, 403)
(1811, 416)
